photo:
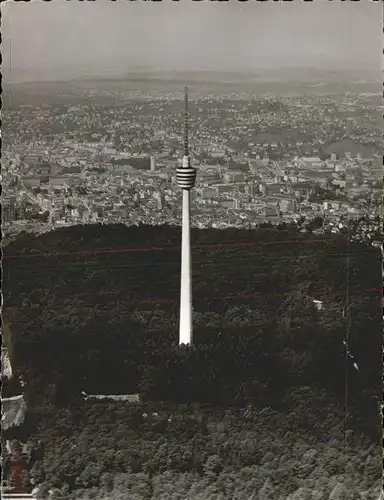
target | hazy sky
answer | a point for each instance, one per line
(68, 37)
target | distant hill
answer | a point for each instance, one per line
(285, 73)
(278, 82)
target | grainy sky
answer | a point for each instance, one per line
(66, 38)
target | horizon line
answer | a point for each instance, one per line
(152, 73)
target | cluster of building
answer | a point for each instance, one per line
(258, 160)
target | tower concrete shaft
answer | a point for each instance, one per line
(185, 326)
(186, 177)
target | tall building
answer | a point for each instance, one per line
(159, 196)
(153, 163)
(236, 204)
(186, 178)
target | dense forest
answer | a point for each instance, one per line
(278, 397)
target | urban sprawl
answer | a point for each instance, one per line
(259, 160)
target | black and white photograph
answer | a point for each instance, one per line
(192, 250)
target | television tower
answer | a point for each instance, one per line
(186, 177)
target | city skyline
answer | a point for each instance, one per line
(231, 36)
